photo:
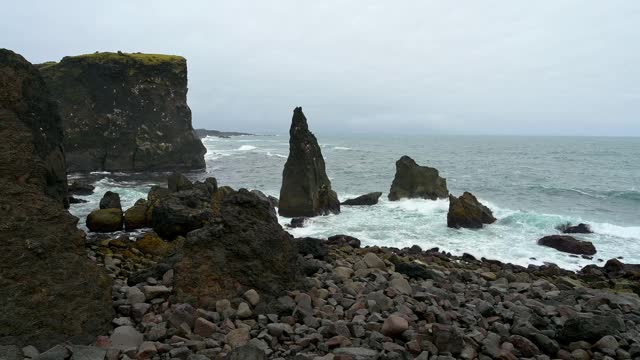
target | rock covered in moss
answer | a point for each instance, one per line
(306, 189)
(49, 291)
(125, 112)
(415, 181)
(137, 216)
(105, 220)
(467, 212)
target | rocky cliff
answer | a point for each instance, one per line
(306, 189)
(125, 112)
(49, 291)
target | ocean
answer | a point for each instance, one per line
(532, 184)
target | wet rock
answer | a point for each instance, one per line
(312, 246)
(363, 200)
(297, 222)
(80, 188)
(306, 189)
(105, 220)
(574, 229)
(110, 200)
(414, 181)
(178, 182)
(467, 212)
(568, 244)
(176, 214)
(344, 240)
(137, 217)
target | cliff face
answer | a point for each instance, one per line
(49, 291)
(125, 112)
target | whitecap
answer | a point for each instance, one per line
(341, 148)
(246, 148)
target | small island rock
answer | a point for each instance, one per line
(415, 181)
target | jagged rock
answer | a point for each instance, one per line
(414, 181)
(73, 200)
(218, 198)
(105, 220)
(367, 199)
(344, 240)
(137, 217)
(568, 244)
(49, 291)
(306, 189)
(110, 200)
(467, 212)
(176, 214)
(79, 188)
(178, 182)
(297, 222)
(312, 246)
(125, 112)
(574, 229)
(246, 249)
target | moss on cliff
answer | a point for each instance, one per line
(145, 59)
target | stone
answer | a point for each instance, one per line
(246, 352)
(306, 188)
(357, 353)
(343, 272)
(524, 347)
(343, 240)
(137, 217)
(125, 112)
(363, 200)
(568, 244)
(467, 212)
(10, 352)
(177, 214)
(79, 352)
(394, 326)
(373, 261)
(574, 229)
(297, 222)
(125, 338)
(252, 297)
(154, 291)
(80, 188)
(57, 352)
(312, 246)
(400, 285)
(238, 337)
(244, 311)
(29, 351)
(105, 220)
(110, 200)
(591, 327)
(608, 344)
(448, 338)
(135, 295)
(204, 327)
(146, 350)
(178, 182)
(152, 244)
(414, 181)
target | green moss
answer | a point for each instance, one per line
(46, 65)
(146, 59)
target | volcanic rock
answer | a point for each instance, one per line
(415, 181)
(306, 189)
(137, 216)
(367, 199)
(575, 229)
(569, 244)
(110, 200)
(79, 188)
(467, 212)
(176, 214)
(105, 220)
(125, 112)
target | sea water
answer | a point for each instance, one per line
(532, 184)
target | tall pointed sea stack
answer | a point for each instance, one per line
(49, 291)
(125, 112)
(306, 189)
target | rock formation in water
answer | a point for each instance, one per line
(306, 189)
(246, 249)
(125, 112)
(467, 212)
(581, 228)
(415, 181)
(568, 244)
(49, 291)
(363, 200)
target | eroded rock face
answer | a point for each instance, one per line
(246, 249)
(125, 112)
(306, 189)
(415, 181)
(467, 212)
(49, 291)
(569, 244)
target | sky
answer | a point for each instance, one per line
(548, 67)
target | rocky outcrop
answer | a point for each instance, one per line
(110, 200)
(415, 181)
(568, 244)
(137, 216)
(246, 249)
(125, 112)
(467, 212)
(203, 133)
(178, 213)
(306, 189)
(574, 229)
(363, 200)
(49, 291)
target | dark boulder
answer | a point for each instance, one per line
(574, 229)
(297, 222)
(568, 244)
(312, 246)
(110, 200)
(50, 292)
(412, 270)
(415, 181)
(105, 220)
(367, 199)
(176, 214)
(344, 240)
(266, 198)
(80, 188)
(74, 200)
(137, 216)
(467, 212)
(178, 182)
(306, 189)
(125, 112)
(590, 327)
(246, 248)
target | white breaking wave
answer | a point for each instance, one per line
(269, 153)
(342, 148)
(246, 148)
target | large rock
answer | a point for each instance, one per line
(366, 199)
(575, 229)
(125, 112)
(591, 327)
(137, 216)
(568, 244)
(306, 189)
(49, 291)
(110, 200)
(467, 212)
(105, 220)
(415, 181)
(246, 249)
(176, 214)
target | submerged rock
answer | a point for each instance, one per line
(306, 189)
(467, 212)
(246, 249)
(415, 181)
(49, 291)
(574, 229)
(125, 112)
(367, 199)
(79, 188)
(568, 244)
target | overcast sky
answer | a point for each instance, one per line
(494, 67)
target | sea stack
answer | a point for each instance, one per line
(467, 212)
(306, 189)
(415, 181)
(125, 112)
(49, 291)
